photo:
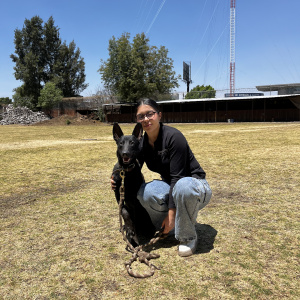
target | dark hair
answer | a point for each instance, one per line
(148, 101)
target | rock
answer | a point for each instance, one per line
(21, 115)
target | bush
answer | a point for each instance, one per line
(50, 96)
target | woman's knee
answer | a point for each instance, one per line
(184, 187)
(189, 188)
(207, 190)
(154, 194)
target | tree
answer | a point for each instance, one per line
(136, 69)
(51, 48)
(50, 96)
(29, 58)
(40, 57)
(201, 92)
(23, 99)
(69, 70)
(99, 97)
(5, 100)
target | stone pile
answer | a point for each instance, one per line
(21, 115)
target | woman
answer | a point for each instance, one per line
(174, 201)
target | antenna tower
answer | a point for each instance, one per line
(232, 47)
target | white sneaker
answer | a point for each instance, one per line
(187, 248)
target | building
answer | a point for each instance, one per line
(80, 105)
(276, 108)
(282, 89)
(273, 108)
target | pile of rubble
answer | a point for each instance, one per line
(21, 115)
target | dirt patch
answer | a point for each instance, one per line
(222, 196)
(66, 120)
(9, 203)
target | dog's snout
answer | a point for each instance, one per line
(125, 153)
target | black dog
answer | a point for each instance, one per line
(136, 219)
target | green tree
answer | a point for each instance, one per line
(29, 58)
(41, 57)
(50, 96)
(69, 70)
(136, 69)
(21, 98)
(5, 100)
(201, 92)
(51, 49)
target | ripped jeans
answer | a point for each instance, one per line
(189, 194)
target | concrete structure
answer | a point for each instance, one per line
(282, 89)
(82, 105)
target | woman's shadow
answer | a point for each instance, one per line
(206, 238)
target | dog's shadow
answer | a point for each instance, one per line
(206, 238)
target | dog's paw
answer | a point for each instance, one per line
(134, 242)
(132, 237)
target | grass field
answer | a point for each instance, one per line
(59, 235)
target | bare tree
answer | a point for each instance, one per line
(99, 97)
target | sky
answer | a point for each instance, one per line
(197, 31)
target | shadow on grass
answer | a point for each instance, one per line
(206, 238)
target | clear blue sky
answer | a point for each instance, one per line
(267, 36)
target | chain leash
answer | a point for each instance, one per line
(137, 252)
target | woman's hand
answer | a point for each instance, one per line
(169, 221)
(113, 183)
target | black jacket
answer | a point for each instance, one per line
(171, 157)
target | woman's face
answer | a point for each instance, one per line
(148, 117)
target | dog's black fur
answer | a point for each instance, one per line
(136, 219)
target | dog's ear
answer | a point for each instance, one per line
(117, 132)
(138, 131)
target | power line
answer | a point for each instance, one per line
(200, 18)
(157, 13)
(141, 13)
(206, 28)
(211, 49)
(149, 11)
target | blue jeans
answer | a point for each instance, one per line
(189, 194)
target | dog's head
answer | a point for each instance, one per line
(128, 145)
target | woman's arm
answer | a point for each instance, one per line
(169, 221)
(178, 154)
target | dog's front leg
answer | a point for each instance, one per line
(129, 228)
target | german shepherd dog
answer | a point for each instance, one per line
(136, 219)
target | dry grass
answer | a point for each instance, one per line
(59, 226)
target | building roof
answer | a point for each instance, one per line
(276, 87)
(295, 98)
(227, 99)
